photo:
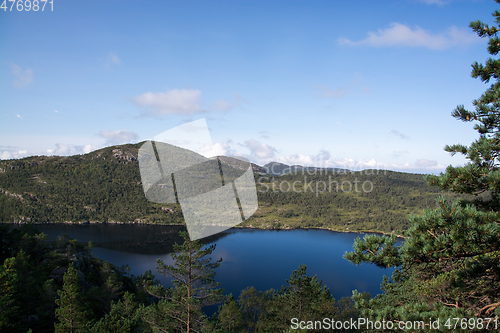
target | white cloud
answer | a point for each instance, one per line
(297, 159)
(176, 101)
(118, 137)
(70, 149)
(216, 149)
(7, 155)
(61, 149)
(22, 77)
(18, 116)
(85, 149)
(261, 154)
(324, 160)
(402, 35)
(259, 150)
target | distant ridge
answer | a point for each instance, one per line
(237, 164)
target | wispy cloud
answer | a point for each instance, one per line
(264, 134)
(19, 116)
(118, 137)
(227, 105)
(424, 163)
(398, 153)
(185, 102)
(22, 77)
(112, 60)
(400, 135)
(354, 86)
(325, 92)
(402, 35)
(435, 2)
(222, 105)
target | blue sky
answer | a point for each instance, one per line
(354, 84)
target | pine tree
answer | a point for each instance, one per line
(449, 265)
(254, 305)
(122, 318)
(8, 284)
(193, 277)
(304, 298)
(71, 315)
(230, 319)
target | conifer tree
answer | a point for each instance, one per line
(193, 277)
(230, 319)
(449, 264)
(71, 314)
(122, 318)
(254, 305)
(8, 284)
(303, 298)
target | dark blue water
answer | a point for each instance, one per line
(263, 259)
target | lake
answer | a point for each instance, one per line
(263, 259)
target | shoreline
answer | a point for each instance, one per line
(235, 227)
(328, 229)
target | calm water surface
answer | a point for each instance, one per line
(263, 259)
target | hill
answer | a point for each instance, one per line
(105, 186)
(237, 164)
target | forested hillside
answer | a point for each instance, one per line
(390, 197)
(105, 186)
(60, 287)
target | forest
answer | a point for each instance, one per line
(60, 287)
(104, 186)
(447, 270)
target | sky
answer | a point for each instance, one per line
(353, 84)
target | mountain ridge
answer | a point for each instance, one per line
(130, 154)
